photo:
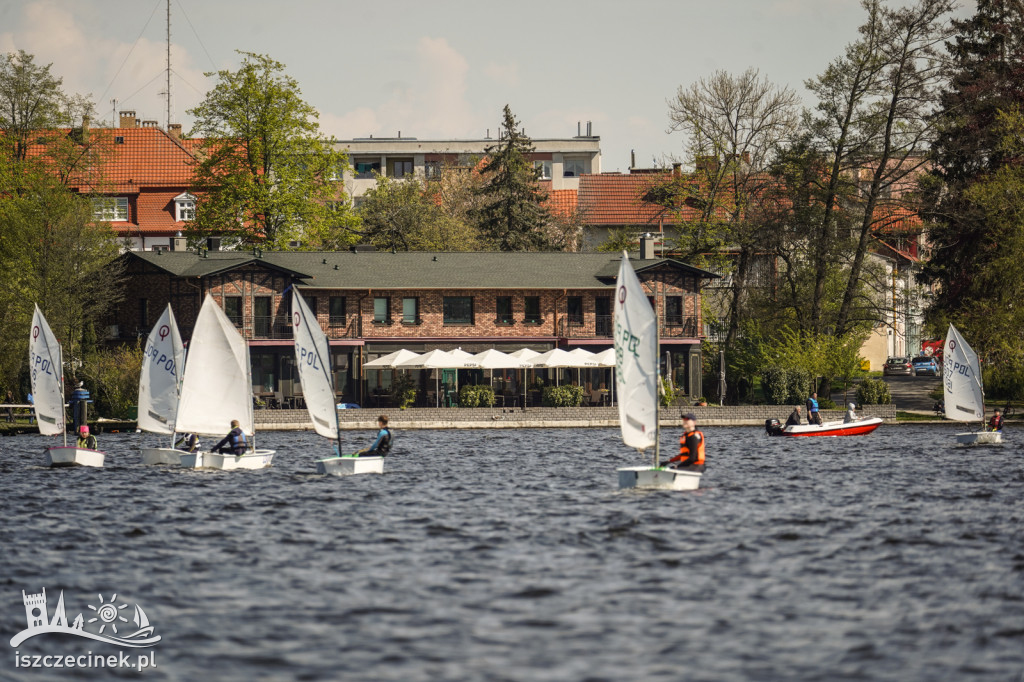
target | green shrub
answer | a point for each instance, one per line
(1004, 382)
(669, 394)
(476, 396)
(113, 376)
(562, 396)
(873, 392)
(403, 390)
(826, 404)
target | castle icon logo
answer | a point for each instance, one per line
(107, 621)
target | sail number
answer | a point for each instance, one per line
(41, 364)
(161, 360)
(625, 341)
(309, 357)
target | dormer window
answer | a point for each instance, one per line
(184, 207)
(110, 209)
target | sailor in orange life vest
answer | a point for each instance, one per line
(691, 447)
(996, 422)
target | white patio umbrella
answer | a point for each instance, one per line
(526, 354)
(584, 357)
(435, 359)
(392, 359)
(605, 358)
(494, 359)
(554, 359)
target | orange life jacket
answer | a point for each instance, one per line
(684, 451)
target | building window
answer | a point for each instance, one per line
(184, 207)
(366, 168)
(673, 310)
(399, 168)
(337, 304)
(261, 316)
(410, 310)
(119, 139)
(381, 310)
(574, 309)
(544, 167)
(603, 316)
(458, 310)
(573, 168)
(110, 209)
(504, 310)
(143, 313)
(233, 309)
(432, 170)
(531, 309)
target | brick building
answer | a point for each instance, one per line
(373, 303)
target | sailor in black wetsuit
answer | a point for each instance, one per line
(382, 446)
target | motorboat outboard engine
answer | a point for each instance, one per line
(772, 427)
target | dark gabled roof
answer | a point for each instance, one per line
(420, 269)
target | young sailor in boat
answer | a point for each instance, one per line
(85, 439)
(813, 417)
(691, 447)
(189, 442)
(382, 446)
(996, 422)
(794, 417)
(234, 443)
(851, 416)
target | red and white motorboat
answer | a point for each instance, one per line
(859, 427)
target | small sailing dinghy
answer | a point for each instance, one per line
(217, 388)
(159, 384)
(637, 379)
(313, 359)
(962, 385)
(46, 361)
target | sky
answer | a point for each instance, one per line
(441, 69)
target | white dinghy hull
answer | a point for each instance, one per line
(69, 456)
(258, 459)
(980, 438)
(346, 466)
(658, 479)
(164, 456)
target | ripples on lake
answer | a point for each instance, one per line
(511, 555)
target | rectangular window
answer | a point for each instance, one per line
(381, 310)
(503, 308)
(312, 303)
(458, 309)
(544, 168)
(603, 316)
(399, 168)
(110, 209)
(410, 310)
(233, 309)
(574, 309)
(532, 310)
(366, 167)
(573, 168)
(144, 313)
(337, 304)
(261, 317)
(186, 210)
(673, 310)
(432, 170)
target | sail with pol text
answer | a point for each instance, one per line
(45, 363)
(313, 360)
(961, 378)
(160, 378)
(636, 360)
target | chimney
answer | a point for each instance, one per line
(213, 243)
(589, 130)
(174, 130)
(85, 129)
(149, 124)
(647, 247)
(677, 170)
(632, 159)
(179, 243)
(128, 120)
(707, 164)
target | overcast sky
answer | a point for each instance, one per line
(440, 69)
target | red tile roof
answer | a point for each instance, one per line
(615, 199)
(154, 214)
(144, 157)
(562, 202)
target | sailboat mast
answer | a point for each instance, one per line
(60, 355)
(657, 390)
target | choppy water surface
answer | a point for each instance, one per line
(511, 555)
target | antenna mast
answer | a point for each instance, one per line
(168, 122)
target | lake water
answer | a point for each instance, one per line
(511, 555)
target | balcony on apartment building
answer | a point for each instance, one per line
(670, 326)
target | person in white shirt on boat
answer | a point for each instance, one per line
(234, 443)
(851, 416)
(382, 446)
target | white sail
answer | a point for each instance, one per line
(216, 387)
(636, 360)
(44, 356)
(961, 374)
(160, 378)
(313, 358)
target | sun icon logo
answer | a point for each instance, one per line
(108, 614)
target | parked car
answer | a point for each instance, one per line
(925, 364)
(898, 366)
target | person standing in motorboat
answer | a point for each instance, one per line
(996, 422)
(382, 446)
(691, 447)
(851, 416)
(794, 417)
(189, 442)
(85, 439)
(234, 443)
(813, 416)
